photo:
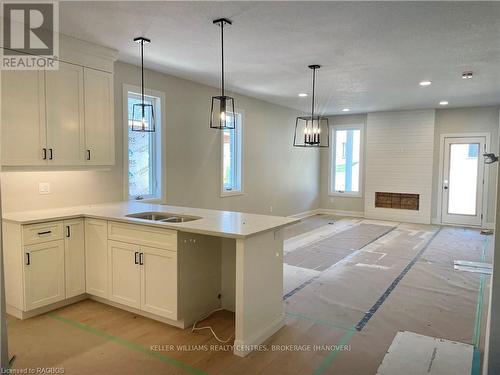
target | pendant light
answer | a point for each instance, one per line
(222, 112)
(312, 131)
(143, 114)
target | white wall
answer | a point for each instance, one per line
(399, 159)
(275, 173)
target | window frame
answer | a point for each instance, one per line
(240, 155)
(159, 161)
(331, 162)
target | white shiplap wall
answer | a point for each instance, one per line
(399, 157)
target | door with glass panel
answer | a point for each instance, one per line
(463, 181)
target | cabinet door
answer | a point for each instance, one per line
(74, 257)
(64, 107)
(159, 282)
(43, 274)
(124, 273)
(23, 117)
(96, 257)
(99, 125)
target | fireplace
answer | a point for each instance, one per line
(401, 201)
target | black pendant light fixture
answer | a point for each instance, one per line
(312, 131)
(143, 114)
(222, 113)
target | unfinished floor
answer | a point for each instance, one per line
(350, 286)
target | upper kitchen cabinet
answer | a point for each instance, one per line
(23, 117)
(61, 117)
(99, 125)
(65, 115)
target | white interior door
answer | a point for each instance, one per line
(463, 181)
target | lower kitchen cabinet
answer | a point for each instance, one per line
(143, 277)
(43, 274)
(159, 282)
(124, 274)
(96, 257)
(74, 257)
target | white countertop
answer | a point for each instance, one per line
(213, 222)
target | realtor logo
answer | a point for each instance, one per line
(30, 35)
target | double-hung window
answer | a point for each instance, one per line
(231, 155)
(345, 161)
(143, 149)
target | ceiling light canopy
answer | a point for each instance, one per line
(311, 131)
(222, 112)
(425, 83)
(143, 114)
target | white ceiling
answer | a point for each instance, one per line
(373, 55)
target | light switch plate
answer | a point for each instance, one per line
(44, 187)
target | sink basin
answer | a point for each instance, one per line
(164, 217)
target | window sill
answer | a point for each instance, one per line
(153, 200)
(225, 194)
(345, 195)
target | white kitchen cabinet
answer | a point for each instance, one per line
(159, 282)
(99, 125)
(74, 257)
(124, 273)
(23, 117)
(43, 274)
(65, 115)
(96, 257)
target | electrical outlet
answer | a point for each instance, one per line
(44, 188)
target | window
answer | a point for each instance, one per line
(346, 161)
(232, 158)
(143, 151)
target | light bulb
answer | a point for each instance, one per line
(223, 116)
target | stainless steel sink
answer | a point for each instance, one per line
(164, 217)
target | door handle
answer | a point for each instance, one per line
(135, 257)
(445, 187)
(141, 259)
(88, 154)
(51, 154)
(68, 231)
(28, 260)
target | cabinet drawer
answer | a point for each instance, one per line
(143, 235)
(43, 232)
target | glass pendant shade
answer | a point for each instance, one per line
(143, 114)
(143, 118)
(222, 112)
(311, 132)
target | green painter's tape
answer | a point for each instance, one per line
(318, 321)
(331, 356)
(476, 362)
(128, 344)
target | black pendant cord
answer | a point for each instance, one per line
(312, 102)
(222, 43)
(142, 80)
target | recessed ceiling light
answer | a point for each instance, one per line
(345, 109)
(443, 102)
(302, 94)
(467, 75)
(425, 83)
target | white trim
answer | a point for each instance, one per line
(487, 135)
(329, 211)
(303, 215)
(161, 173)
(333, 129)
(244, 347)
(241, 152)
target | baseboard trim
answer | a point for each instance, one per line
(244, 347)
(329, 211)
(302, 215)
(19, 314)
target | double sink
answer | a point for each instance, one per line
(163, 217)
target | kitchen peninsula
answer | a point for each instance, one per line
(172, 264)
